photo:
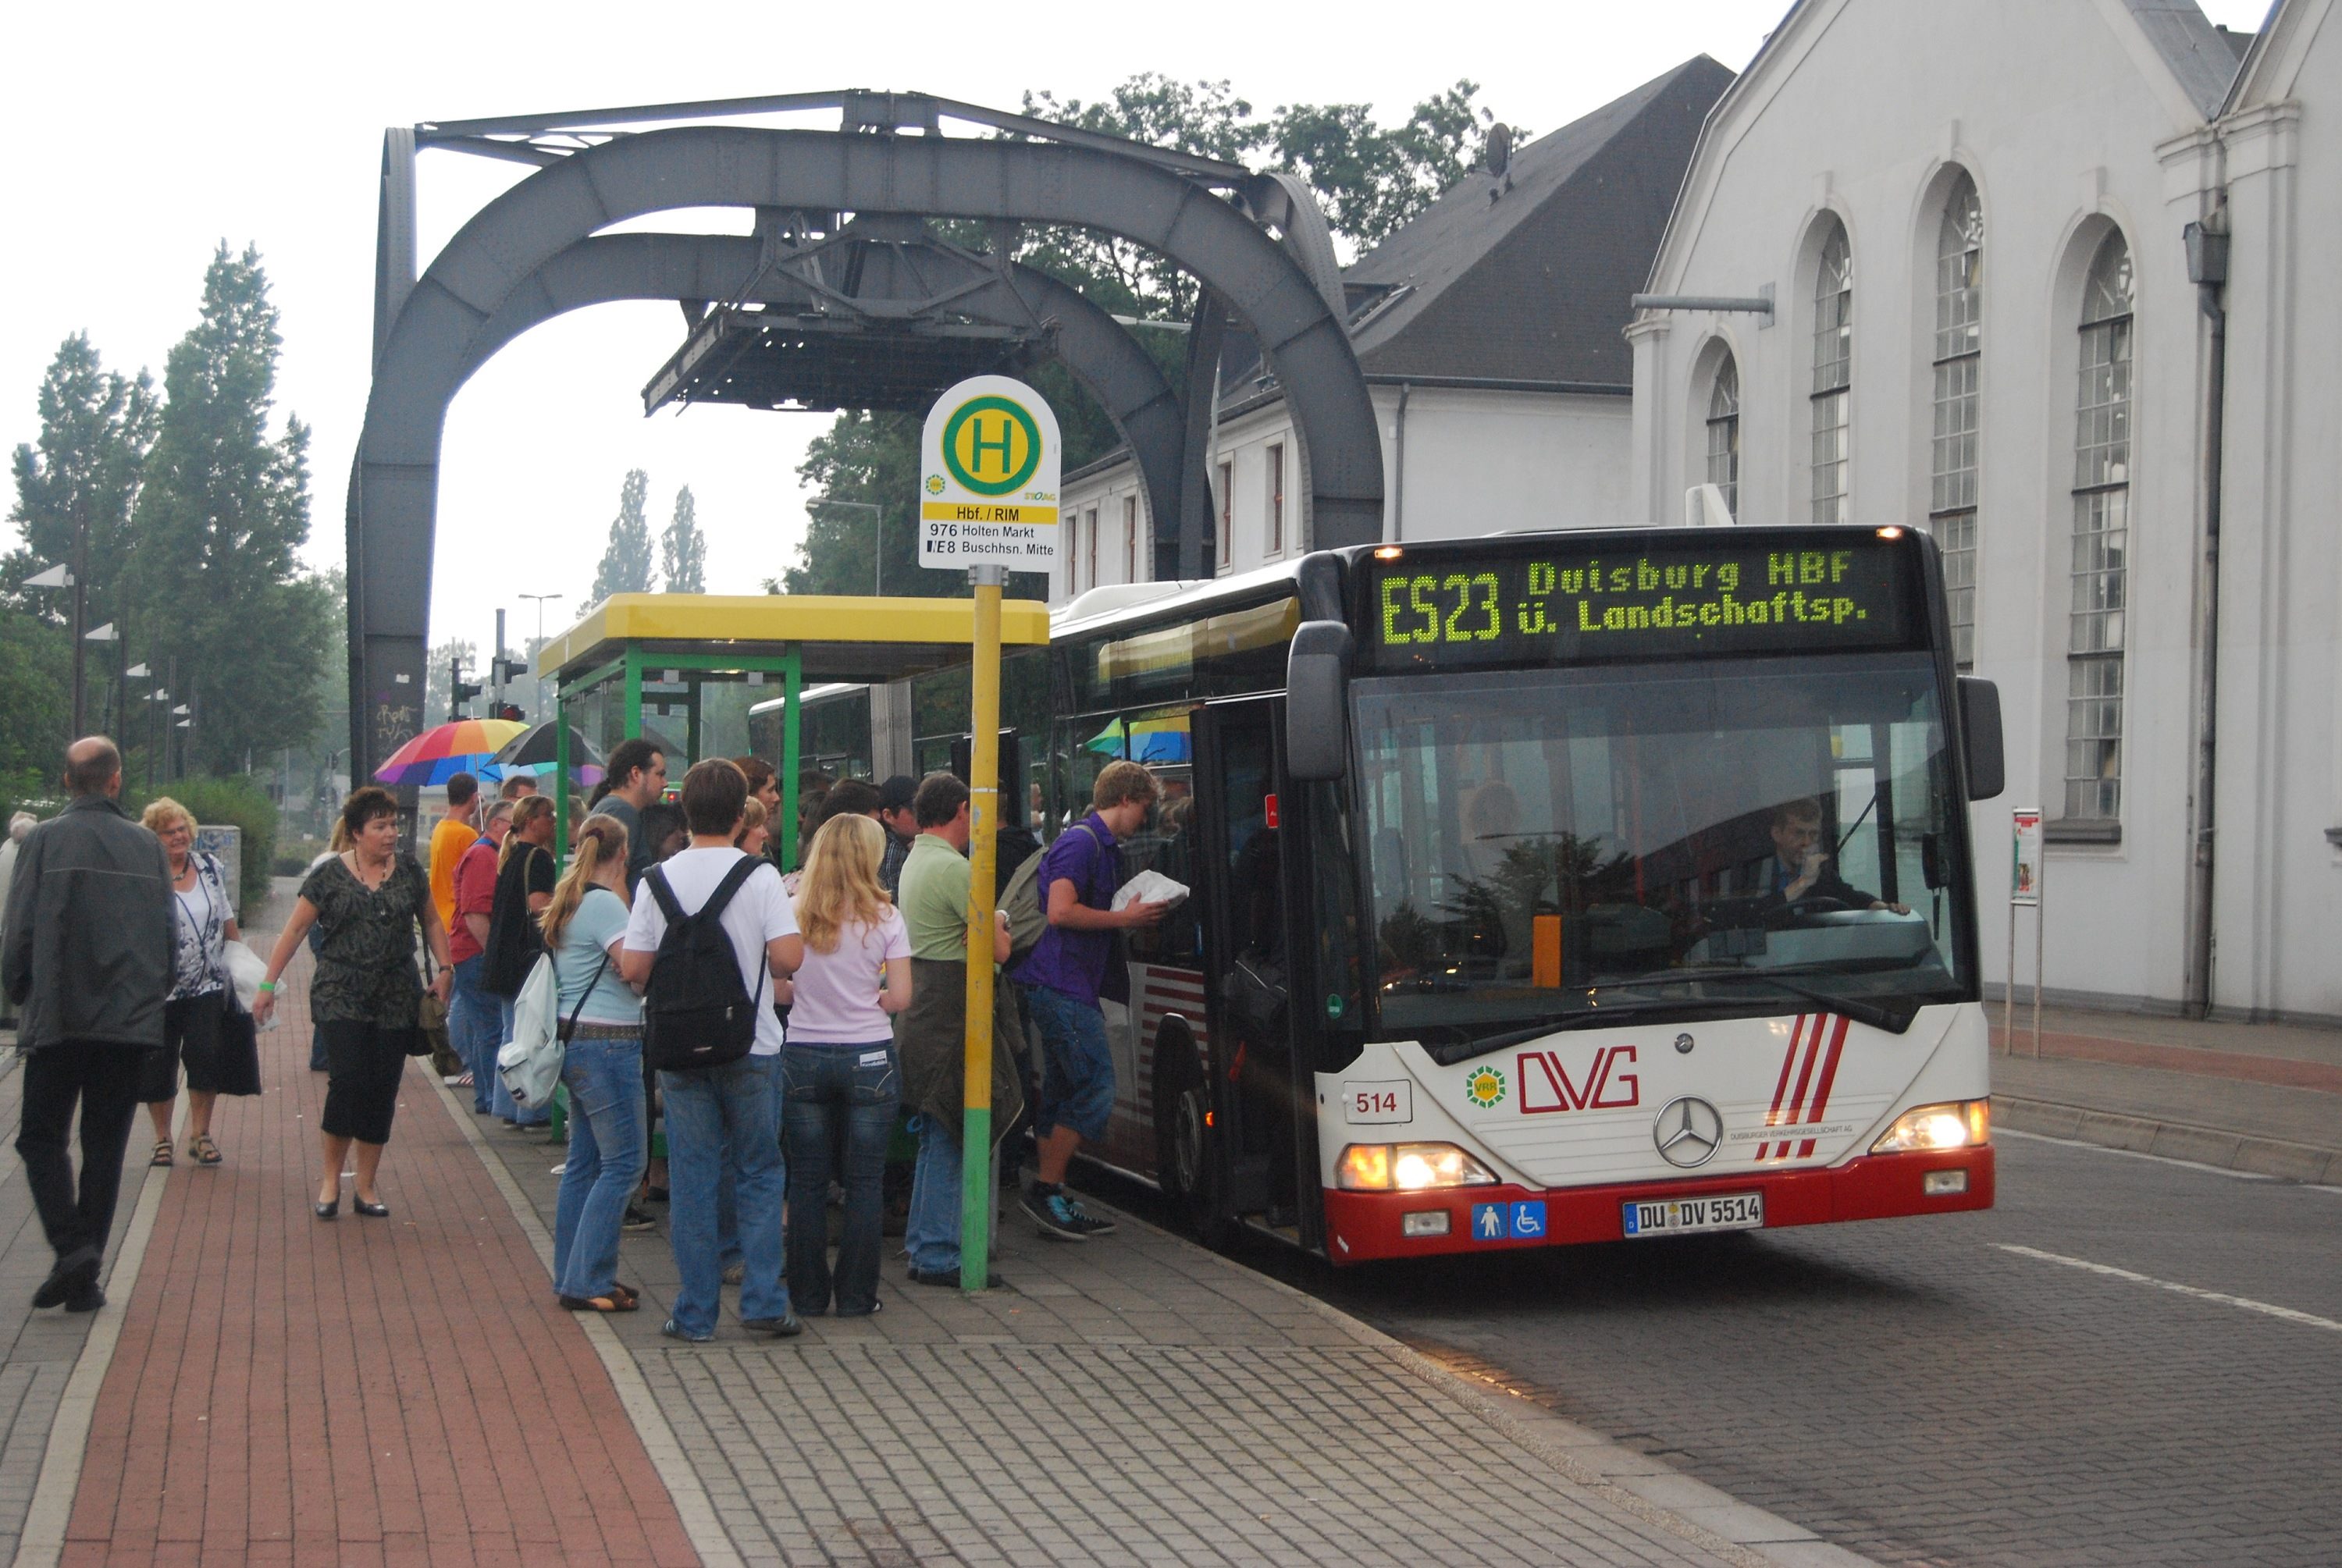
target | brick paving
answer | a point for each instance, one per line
(364, 1391)
(1134, 1400)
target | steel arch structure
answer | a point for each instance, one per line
(514, 263)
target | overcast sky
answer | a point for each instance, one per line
(139, 136)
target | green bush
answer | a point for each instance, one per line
(232, 801)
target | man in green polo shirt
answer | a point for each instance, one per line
(931, 1034)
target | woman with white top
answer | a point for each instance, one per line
(195, 1013)
(838, 1068)
(602, 1069)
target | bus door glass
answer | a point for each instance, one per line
(1250, 961)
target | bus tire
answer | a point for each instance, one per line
(1181, 1134)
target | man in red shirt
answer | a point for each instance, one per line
(475, 1022)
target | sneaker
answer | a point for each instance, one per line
(669, 1330)
(951, 1277)
(636, 1220)
(788, 1327)
(1089, 1222)
(736, 1274)
(1059, 1219)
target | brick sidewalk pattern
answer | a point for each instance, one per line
(287, 1390)
(1133, 1400)
(2285, 1072)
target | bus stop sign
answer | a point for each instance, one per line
(988, 469)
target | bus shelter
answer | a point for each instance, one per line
(686, 669)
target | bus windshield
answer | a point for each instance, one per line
(1697, 838)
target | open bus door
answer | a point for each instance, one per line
(1262, 1158)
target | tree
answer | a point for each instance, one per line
(214, 579)
(96, 426)
(683, 550)
(625, 565)
(35, 704)
(1372, 180)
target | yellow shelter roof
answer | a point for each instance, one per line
(840, 637)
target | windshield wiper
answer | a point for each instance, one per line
(1896, 1019)
(1466, 1045)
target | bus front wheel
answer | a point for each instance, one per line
(1183, 1132)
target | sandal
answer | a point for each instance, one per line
(161, 1152)
(202, 1150)
(611, 1303)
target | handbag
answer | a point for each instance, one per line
(529, 1064)
(430, 1037)
(239, 1048)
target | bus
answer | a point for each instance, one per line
(1545, 888)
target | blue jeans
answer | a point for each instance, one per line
(857, 1087)
(1076, 1066)
(734, 1110)
(501, 1103)
(474, 1028)
(608, 1147)
(933, 1233)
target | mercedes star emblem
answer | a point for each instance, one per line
(1688, 1132)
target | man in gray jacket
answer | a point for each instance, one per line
(88, 962)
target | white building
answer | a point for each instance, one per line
(1489, 332)
(1970, 219)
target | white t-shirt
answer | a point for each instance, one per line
(836, 999)
(758, 914)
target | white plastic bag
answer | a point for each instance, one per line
(529, 1064)
(1149, 887)
(245, 970)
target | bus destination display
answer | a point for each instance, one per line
(1445, 608)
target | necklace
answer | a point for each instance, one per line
(357, 869)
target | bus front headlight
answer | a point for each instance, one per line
(1409, 1168)
(1956, 1124)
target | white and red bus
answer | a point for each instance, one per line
(1547, 888)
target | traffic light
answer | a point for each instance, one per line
(459, 690)
(511, 670)
(511, 711)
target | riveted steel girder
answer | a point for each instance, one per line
(429, 348)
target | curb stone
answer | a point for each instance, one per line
(2223, 1147)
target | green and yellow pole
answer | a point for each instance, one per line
(984, 787)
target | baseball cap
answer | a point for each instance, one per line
(896, 794)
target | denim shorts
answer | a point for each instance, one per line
(1076, 1066)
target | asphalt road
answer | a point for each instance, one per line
(1974, 1389)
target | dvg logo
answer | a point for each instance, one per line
(1687, 1131)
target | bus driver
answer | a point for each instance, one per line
(1800, 870)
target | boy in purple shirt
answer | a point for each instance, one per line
(1061, 980)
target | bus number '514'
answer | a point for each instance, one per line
(1546, 1085)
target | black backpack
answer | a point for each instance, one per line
(696, 1012)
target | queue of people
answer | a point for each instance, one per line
(837, 1001)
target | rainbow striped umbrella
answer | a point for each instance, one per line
(443, 751)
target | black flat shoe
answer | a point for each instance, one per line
(328, 1211)
(371, 1211)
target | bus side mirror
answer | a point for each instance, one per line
(1317, 702)
(1980, 730)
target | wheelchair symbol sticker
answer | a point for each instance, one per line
(1508, 1221)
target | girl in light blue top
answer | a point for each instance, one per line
(601, 1070)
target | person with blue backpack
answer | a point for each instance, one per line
(712, 929)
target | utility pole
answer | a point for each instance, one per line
(496, 671)
(80, 609)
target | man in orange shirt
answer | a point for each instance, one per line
(454, 834)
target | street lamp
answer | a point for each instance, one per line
(877, 539)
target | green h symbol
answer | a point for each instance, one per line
(978, 446)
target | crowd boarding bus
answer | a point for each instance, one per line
(1545, 888)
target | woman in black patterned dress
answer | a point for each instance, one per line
(367, 902)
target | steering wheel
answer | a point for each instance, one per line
(1813, 903)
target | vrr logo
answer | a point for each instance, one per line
(1485, 1087)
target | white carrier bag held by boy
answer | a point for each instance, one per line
(529, 1064)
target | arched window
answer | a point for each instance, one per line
(2102, 468)
(1952, 494)
(1724, 433)
(1832, 366)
